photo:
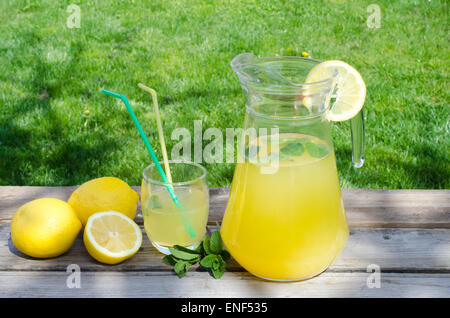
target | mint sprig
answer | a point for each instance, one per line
(293, 149)
(209, 253)
(317, 150)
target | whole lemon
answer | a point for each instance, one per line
(104, 194)
(44, 228)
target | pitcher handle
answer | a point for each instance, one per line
(357, 129)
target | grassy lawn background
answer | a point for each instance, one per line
(50, 74)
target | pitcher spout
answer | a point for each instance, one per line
(279, 86)
(274, 73)
(240, 61)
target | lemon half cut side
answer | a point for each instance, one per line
(350, 92)
(111, 237)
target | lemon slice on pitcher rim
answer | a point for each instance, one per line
(111, 237)
(350, 90)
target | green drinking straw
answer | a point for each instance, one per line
(184, 219)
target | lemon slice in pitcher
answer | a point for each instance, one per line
(111, 237)
(350, 88)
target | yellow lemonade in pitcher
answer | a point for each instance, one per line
(289, 224)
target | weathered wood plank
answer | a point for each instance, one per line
(364, 207)
(414, 257)
(12, 197)
(232, 284)
(399, 250)
(397, 208)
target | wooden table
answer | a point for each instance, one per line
(403, 232)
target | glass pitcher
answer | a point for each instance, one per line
(285, 217)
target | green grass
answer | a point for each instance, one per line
(183, 50)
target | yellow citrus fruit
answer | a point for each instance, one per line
(350, 88)
(104, 194)
(111, 237)
(44, 228)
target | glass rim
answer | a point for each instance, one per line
(175, 184)
(281, 90)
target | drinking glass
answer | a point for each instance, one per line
(164, 222)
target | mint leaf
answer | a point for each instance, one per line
(207, 261)
(210, 253)
(286, 140)
(218, 267)
(169, 260)
(184, 255)
(185, 249)
(217, 273)
(155, 202)
(199, 249)
(317, 150)
(218, 263)
(216, 243)
(215, 264)
(181, 267)
(206, 244)
(293, 149)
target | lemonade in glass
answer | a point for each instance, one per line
(164, 222)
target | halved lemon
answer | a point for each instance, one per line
(111, 237)
(350, 88)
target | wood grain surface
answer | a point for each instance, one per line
(404, 232)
